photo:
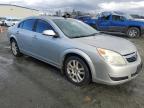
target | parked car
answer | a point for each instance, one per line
(11, 21)
(2, 19)
(88, 20)
(121, 23)
(82, 53)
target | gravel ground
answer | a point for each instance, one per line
(28, 83)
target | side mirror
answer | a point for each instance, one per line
(49, 33)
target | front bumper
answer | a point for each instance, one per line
(129, 76)
(114, 75)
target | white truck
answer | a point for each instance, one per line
(2, 20)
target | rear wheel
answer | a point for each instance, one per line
(133, 32)
(77, 71)
(15, 49)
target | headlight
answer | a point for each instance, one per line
(111, 57)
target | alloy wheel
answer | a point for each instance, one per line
(133, 33)
(75, 71)
(14, 48)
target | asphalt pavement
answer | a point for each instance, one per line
(29, 83)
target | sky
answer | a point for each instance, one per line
(130, 6)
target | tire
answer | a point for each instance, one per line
(77, 71)
(15, 49)
(133, 32)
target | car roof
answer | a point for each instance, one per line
(44, 17)
(114, 13)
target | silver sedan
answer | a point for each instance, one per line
(82, 53)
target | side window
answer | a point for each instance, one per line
(28, 24)
(20, 25)
(81, 18)
(105, 17)
(42, 26)
(117, 18)
(87, 18)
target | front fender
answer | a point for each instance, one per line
(83, 55)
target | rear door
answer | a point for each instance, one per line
(25, 35)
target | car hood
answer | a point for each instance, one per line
(141, 21)
(116, 44)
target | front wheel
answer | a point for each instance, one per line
(77, 71)
(15, 49)
(133, 32)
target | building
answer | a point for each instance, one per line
(8, 10)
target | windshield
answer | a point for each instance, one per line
(74, 29)
(128, 16)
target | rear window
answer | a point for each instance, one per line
(27, 24)
(117, 18)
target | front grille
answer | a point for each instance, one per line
(131, 57)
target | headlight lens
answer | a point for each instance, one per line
(111, 57)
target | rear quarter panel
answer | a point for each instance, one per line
(11, 33)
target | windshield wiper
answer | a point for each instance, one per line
(79, 36)
(93, 34)
(85, 35)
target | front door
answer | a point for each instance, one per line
(46, 47)
(103, 23)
